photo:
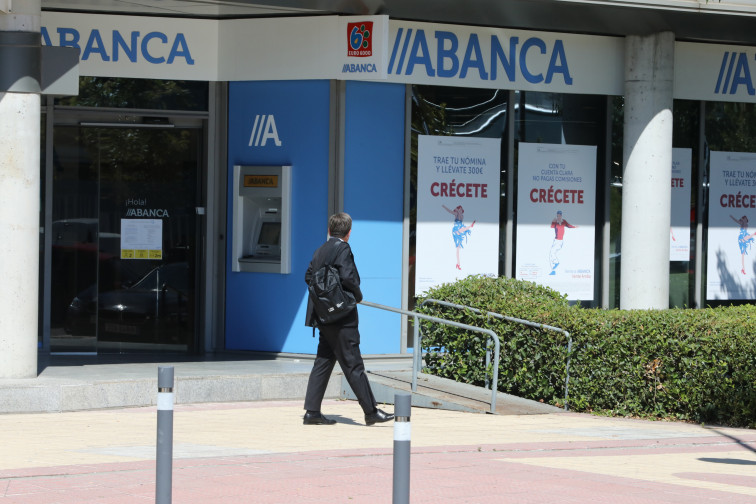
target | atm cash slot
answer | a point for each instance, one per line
(260, 259)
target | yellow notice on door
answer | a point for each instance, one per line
(141, 254)
(141, 238)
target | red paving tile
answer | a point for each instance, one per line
(460, 477)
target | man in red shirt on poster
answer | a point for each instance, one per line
(558, 225)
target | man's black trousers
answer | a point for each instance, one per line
(342, 344)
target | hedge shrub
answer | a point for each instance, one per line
(697, 365)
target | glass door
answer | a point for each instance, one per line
(124, 252)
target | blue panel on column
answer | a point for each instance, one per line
(265, 311)
(374, 197)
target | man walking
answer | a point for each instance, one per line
(339, 341)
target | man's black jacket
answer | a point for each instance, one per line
(350, 278)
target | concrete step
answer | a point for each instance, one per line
(74, 383)
(442, 393)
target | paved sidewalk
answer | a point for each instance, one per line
(259, 452)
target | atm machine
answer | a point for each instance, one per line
(262, 219)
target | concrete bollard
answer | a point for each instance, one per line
(402, 435)
(164, 455)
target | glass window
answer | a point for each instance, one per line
(567, 119)
(685, 127)
(42, 160)
(615, 200)
(730, 127)
(453, 111)
(114, 92)
(539, 117)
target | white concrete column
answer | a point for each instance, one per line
(646, 190)
(19, 197)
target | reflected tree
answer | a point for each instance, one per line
(150, 94)
(731, 126)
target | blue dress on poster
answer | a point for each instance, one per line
(460, 232)
(745, 240)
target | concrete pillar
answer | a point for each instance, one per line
(19, 188)
(646, 192)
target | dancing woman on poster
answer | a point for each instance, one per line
(459, 230)
(745, 240)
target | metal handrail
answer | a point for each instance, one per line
(417, 351)
(519, 321)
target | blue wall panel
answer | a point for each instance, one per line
(374, 197)
(265, 311)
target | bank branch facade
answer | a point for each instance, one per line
(187, 182)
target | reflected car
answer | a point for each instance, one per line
(155, 308)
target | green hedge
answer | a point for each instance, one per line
(697, 365)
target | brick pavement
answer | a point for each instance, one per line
(260, 452)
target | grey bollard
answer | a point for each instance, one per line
(164, 455)
(402, 435)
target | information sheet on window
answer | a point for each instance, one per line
(679, 231)
(556, 217)
(731, 264)
(141, 239)
(457, 209)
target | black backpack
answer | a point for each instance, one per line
(330, 300)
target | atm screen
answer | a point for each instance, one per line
(270, 234)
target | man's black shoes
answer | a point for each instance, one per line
(317, 418)
(378, 416)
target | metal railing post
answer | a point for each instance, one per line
(417, 356)
(567, 371)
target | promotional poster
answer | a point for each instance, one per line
(556, 217)
(679, 232)
(731, 267)
(457, 209)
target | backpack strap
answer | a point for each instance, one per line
(334, 252)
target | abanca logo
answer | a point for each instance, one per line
(360, 39)
(734, 72)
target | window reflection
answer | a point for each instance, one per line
(730, 127)
(454, 111)
(139, 94)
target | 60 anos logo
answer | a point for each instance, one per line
(360, 39)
